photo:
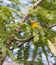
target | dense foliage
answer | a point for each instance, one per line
(44, 18)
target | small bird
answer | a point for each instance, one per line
(34, 24)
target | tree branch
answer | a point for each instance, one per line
(23, 20)
(27, 15)
(52, 26)
(26, 40)
(22, 41)
(2, 59)
(33, 7)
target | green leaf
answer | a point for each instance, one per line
(4, 51)
(11, 55)
(36, 38)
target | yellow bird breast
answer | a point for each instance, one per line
(34, 24)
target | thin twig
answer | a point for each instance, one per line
(23, 41)
(52, 26)
(26, 40)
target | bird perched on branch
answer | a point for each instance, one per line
(34, 24)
